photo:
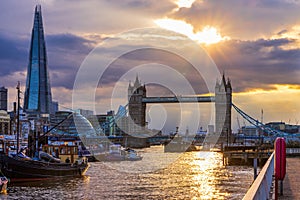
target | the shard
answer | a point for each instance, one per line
(37, 99)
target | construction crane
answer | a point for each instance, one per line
(262, 116)
(238, 123)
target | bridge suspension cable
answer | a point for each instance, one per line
(270, 131)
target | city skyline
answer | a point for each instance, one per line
(259, 50)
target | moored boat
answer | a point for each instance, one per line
(132, 155)
(25, 170)
(118, 153)
(18, 168)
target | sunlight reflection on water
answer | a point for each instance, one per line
(194, 175)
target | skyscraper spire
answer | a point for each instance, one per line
(37, 98)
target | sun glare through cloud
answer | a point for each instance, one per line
(184, 3)
(208, 35)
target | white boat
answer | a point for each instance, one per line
(118, 153)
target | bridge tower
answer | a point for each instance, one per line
(136, 108)
(223, 102)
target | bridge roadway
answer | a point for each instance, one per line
(179, 99)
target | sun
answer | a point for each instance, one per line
(184, 3)
(208, 35)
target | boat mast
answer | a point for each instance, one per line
(18, 117)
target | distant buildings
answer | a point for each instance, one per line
(3, 98)
(4, 122)
(248, 131)
(107, 124)
(281, 126)
(4, 116)
(54, 107)
(85, 113)
(66, 124)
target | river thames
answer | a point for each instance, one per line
(189, 175)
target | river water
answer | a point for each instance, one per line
(189, 175)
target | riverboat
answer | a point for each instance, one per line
(18, 168)
(118, 153)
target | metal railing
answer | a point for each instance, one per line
(292, 151)
(260, 188)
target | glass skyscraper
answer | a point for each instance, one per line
(3, 98)
(37, 99)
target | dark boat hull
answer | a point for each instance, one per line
(22, 170)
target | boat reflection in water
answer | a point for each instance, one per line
(190, 175)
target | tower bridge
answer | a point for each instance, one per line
(137, 100)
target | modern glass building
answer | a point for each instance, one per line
(3, 98)
(37, 100)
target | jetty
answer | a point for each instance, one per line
(245, 154)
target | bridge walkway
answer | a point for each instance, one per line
(291, 183)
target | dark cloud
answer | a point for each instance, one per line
(272, 43)
(290, 57)
(241, 19)
(12, 54)
(282, 32)
(151, 7)
(65, 54)
(70, 42)
(277, 3)
(257, 64)
(149, 56)
(249, 63)
(11, 48)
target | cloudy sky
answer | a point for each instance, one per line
(255, 42)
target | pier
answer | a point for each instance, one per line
(240, 155)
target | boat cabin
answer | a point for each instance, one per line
(66, 153)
